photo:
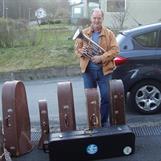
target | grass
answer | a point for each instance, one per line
(44, 46)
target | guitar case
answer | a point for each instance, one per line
(44, 122)
(84, 145)
(16, 120)
(93, 109)
(66, 106)
(117, 110)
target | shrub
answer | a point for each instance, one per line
(17, 33)
(83, 22)
(6, 33)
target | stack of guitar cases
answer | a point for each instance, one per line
(94, 142)
(69, 144)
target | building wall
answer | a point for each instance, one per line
(136, 12)
(76, 15)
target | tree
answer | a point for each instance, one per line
(19, 9)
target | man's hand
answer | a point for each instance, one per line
(96, 59)
(85, 51)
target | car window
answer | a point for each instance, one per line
(147, 39)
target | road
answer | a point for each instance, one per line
(47, 89)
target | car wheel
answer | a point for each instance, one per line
(145, 97)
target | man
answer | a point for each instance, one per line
(96, 70)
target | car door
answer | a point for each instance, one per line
(145, 50)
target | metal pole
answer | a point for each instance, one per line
(85, 8)
(3, 8)
(29, 14)
(6, 13)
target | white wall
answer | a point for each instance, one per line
(143, 11)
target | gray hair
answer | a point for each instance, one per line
(97, 9)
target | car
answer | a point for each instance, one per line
(139, 67)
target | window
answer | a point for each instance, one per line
(115, 5)
(147, 40)
(77, 10)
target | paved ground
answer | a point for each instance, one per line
(148, 148)
(147, 144)
(146, 127)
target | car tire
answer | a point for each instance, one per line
(145, 97)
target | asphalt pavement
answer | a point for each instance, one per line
(147, 128)
(147, 148)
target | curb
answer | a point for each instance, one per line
(41, 73)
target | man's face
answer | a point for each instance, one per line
(96, 20)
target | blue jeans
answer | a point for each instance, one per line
(93, 78)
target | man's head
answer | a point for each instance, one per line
(97, 19)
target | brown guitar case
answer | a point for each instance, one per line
(16, 121)
(117, 110)
(66, 106)
(44, 122)
(93, 109)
